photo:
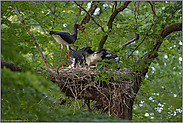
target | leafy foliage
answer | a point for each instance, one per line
(27, 97)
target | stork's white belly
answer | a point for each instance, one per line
(93, 58)
(88, 59)
(59, 39)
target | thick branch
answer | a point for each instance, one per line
(33, 37)
(111, 19)
(102, 42)
(167, 30)
(87, 17)
(10, 65)
(172, 28)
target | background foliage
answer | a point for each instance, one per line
(158, 100)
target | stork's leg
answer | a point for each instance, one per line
(69, 55)
(61, 56)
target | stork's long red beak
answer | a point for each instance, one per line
(82, 30)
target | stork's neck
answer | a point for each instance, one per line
(75, 32)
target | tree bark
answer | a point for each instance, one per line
(172, 28)
(10, 65)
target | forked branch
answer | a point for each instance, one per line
(110, 22)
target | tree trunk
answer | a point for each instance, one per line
(117, 95)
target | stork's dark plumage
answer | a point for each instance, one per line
(65, 39)
(77, 57)
(91, 57)
(109, 56)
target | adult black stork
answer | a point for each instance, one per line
(65, 39)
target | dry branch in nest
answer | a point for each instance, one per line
(80, 83)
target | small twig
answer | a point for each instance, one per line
(153, 9)
(103, 95)
(113, 5)
(113, 22)
(170, 16)
(41, 101)
(125, 103)
(135, 12)
(49, 63)
(144, 18)
(137, 46)
(91, 17)
(75, 97)
(129, 42)
(140, 42)
(57, 72)
(86, 86)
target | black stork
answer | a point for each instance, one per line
(77, 57)
(91, 57)
(65, 39)
(88, 56)
(109, 56)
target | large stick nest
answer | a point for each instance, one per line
(81, 83)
